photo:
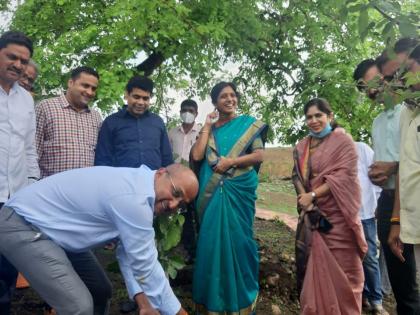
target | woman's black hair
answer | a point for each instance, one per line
(215, 91)
(323, 105)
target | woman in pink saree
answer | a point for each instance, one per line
(330, 243)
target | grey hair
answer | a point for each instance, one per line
(34, 64)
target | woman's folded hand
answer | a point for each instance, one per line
(305, 201)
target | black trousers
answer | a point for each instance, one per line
(189, 232)
(402, 275)
(8, 276)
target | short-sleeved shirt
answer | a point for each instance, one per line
(409, 174)
(386, 138)
(182, 142)
(65, 138)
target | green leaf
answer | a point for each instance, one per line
(407, 29)
(356, 8)
(172, 272)
(387, 28)
(177, 262)
(388, 33)
(343, 13)
(411, 78)
(363, 23)
(388, 6)
(173, 237)
(181, 220)
(388, 100)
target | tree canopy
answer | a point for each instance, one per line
(286, 51)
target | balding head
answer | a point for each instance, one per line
(175, 185)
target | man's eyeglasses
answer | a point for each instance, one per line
(177, 193)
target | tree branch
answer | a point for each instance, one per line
(384, 14)
(153, 62)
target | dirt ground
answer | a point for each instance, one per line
(277, 280)
(277, 277)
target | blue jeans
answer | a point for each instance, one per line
(372, 289)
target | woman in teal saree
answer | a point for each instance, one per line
(230, 150)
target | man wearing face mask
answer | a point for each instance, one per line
(183, 137)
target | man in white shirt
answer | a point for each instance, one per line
(44, 226)
(182, 138)
(372, 293)
(18, 159)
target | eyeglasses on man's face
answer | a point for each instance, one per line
(177, 193)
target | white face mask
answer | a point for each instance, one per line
(187, 117)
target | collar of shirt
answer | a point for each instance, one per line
(194, 128)
(124, 112)
(13, 89)
(65, 104)
(391, 111)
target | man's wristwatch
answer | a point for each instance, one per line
(313, 194)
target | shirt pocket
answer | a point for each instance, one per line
(90, 134)
(21, 123)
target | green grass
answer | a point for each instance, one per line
(277, 195)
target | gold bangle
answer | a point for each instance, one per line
(203, 131)
(395, 219)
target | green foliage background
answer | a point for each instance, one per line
(287, 51)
